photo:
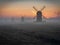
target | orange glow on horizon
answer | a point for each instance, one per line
(48, 12)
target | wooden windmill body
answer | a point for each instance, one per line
(38, 14)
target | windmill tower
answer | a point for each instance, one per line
(22, 18)
(39, 14)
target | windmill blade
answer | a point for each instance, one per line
(35, 8)
(34, 12)
(42, 8)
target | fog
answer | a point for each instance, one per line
(5, 21)
(14, 20)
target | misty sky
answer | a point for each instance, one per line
(24, 7)
(53, 1)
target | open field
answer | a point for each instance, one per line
(30, 34)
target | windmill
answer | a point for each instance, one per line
(39, 14)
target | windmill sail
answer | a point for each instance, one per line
(42, 8)
(35, 8)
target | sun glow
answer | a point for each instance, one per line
(26, 9)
